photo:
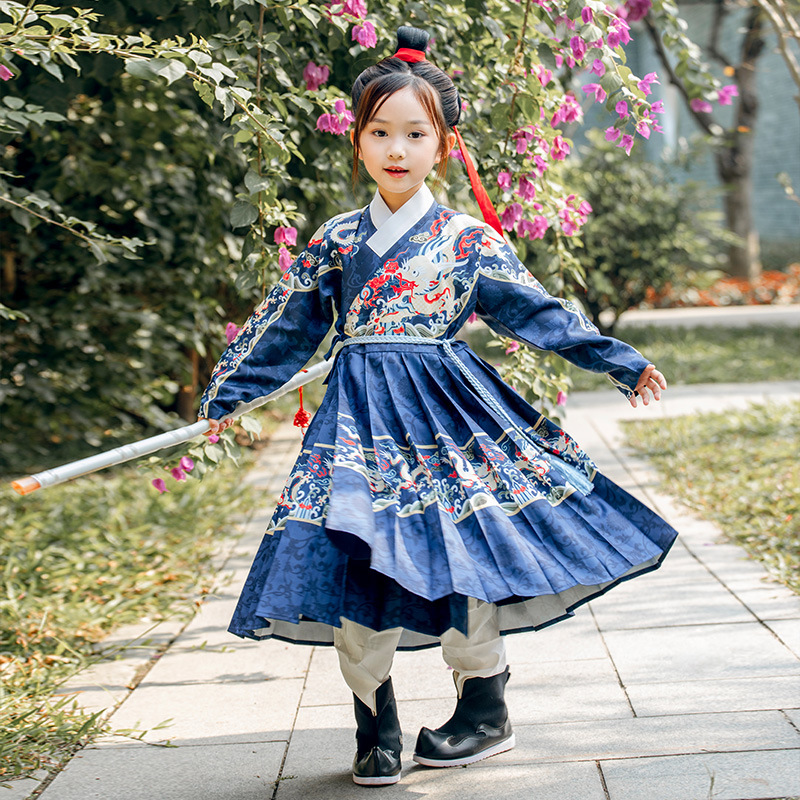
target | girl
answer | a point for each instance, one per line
(430, 503)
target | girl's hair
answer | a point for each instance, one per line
(432, 87)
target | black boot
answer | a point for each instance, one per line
(479, 727)
(378, 740)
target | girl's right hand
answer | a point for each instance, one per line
(216, 426)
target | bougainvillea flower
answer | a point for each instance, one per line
(561, 399)
(543, 74)
(5, 73)
(365, 34)
(284, 258)
(560, 149)
(504, 180)
(700, 105)
(569, 111)
(160, 485)
(358, 8)
(612, 134)
(587, 15)
(231, 329)
(578, 46)
(541, 165)
(618, 33)
(186, 464)
(526, 190)
(585, 208)
(657, 107)
(643, 128)
(473, 317)
(621, 108)
(213, 439)
(645, 83)
(510, 217)
(178, 474)
(512, 348)
(634, 10)
(597, 90)
(315, 76)
(532, 228)
(725, 94)
(598, 67)
(457, 155)
(286, 236)
(626, 142)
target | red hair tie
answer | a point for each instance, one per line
(407, 54)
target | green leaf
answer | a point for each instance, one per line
(243, 214)
(140, 68)
(172, 71)
(256, 183)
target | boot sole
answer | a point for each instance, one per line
(500, 747)
(380, 780)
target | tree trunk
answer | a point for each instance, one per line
(735, 161)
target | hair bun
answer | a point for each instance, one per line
(412, 38)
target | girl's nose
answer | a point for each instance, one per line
(396, 148)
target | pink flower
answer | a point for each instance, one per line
(621, 108)
(338, 122)
(598, 67)
(585, 208)
(626, 142)
(510, 217)
(284, 259)
(527, 191)
(158, 482)
(578, 48)
(700, 105)
(473, 317)
(504, 181)
(286, 236)
(213, 439)
(725, 94)
(644, 83)
(178, 474)
(560, 149)
(618, 33)
(612, 134)
(365, 34)
(657, 107)
(512, 348)
(643, 128)
(541, 165)
(6, 74)
(357, 8)
(523, 138)
(457, 155)
(186, 464)
(634, 10)
(315, 76)
(568, 111)
(597, 90)
(587, 15)
(533, 229)
(324, 123)
(544, 74)
(231, 329)
(561, 399)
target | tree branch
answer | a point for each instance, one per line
(704, 120)
(720, 12)
(780, 30)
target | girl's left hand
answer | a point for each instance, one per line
(650, 381)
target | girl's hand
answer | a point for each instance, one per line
(217, 426)
(651, 380)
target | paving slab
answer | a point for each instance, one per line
(218, 772)
(714, 776)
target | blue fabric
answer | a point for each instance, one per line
(411, 493)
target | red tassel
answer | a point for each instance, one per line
(484, 203)
(301, 418)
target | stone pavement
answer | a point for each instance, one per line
(681, 685)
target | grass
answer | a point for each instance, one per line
(693, 355)
(739, 469)
(79, 560)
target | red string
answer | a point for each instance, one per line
(301, 418)
(407, 54)
(484, 203)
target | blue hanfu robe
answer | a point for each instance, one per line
(423, 478)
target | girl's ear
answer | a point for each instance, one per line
(449, 144)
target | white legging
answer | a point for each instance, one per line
(365, 655)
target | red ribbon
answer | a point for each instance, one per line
(484, 203)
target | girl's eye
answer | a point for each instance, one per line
(378, 132)
(416, 134)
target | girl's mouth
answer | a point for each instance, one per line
(397, 172)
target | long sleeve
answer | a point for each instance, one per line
(279, 337)
(515, 304)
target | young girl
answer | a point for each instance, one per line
(430, 503)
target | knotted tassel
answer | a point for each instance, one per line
(301, 418)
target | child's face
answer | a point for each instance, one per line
(399, 146)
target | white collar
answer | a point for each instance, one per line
(390, 227)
